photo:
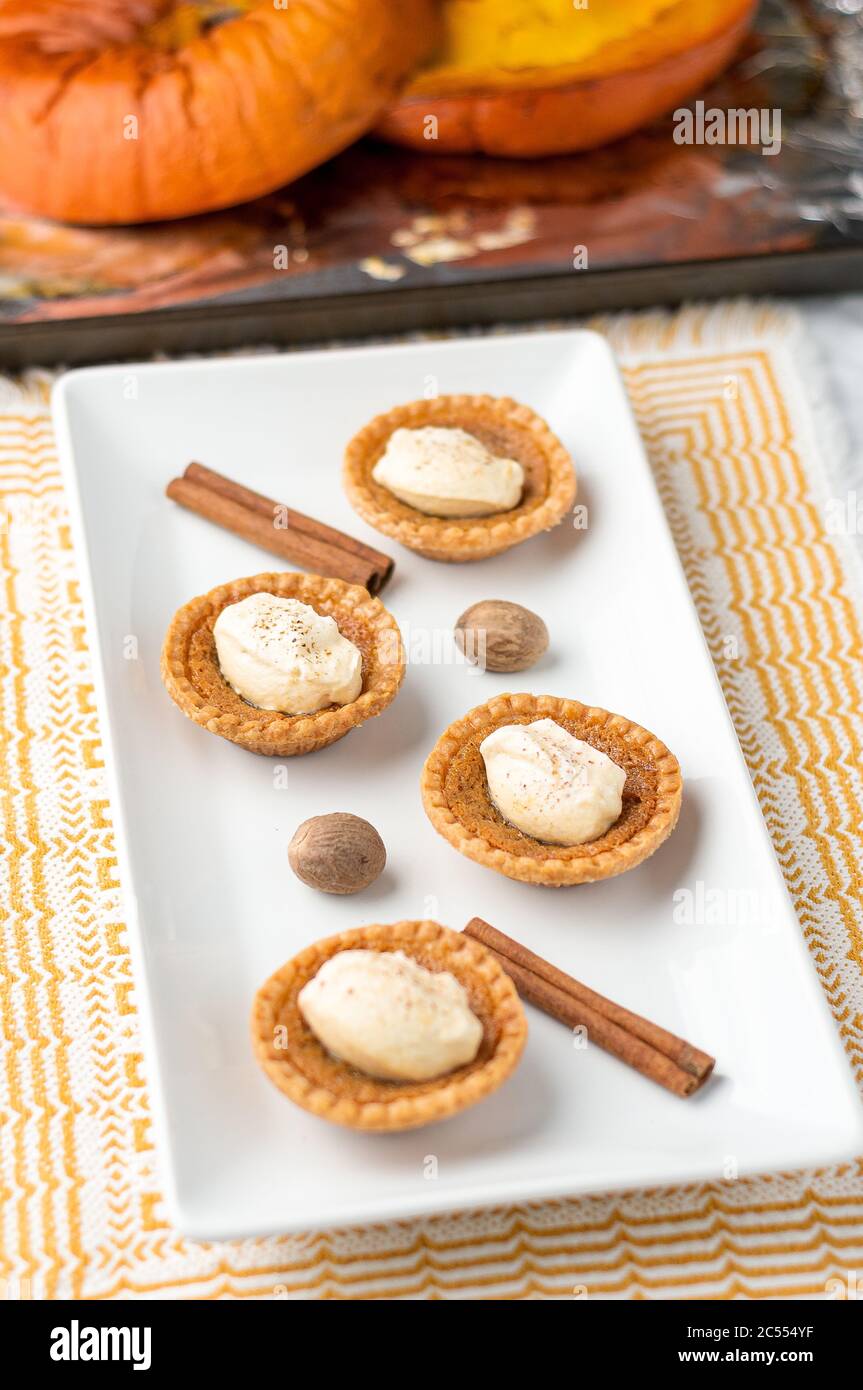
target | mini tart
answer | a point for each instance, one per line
(457, 801)
(505, 428)
(336, 1091)
(191, 673)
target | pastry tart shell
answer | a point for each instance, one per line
(299, 1065)
(457, 801)
(506, 428)
(191, 674)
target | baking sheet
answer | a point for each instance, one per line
(381, 239)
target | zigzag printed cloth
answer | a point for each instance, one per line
(723, 399)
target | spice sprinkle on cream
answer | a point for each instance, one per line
(550, 785)
(448, 472)
(280, 654)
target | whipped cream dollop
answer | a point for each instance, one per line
(389, 1017)
(280, 654)
(551, 785)
(448, 472)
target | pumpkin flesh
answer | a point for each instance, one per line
(537, 77)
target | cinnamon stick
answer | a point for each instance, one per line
(292, 535)
(656, 1053)
(292, 519)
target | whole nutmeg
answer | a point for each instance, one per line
(501, 636)
(338, 853)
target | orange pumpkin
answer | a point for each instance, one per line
(132, 110)
(526, 78)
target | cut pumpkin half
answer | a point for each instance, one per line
(525, 78)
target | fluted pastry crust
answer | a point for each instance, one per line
(299, 1065)
(190, 667)
(457, 801)
(507, 429)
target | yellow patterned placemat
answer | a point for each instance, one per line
(737, 441)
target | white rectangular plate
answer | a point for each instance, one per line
(202, 826)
